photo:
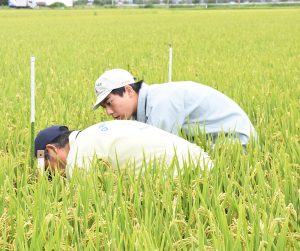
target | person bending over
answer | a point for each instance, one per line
(177, 106)
(121, 143)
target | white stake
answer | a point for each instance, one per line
(41, 160)
(32, 108)
(170, 64)
(32, 88)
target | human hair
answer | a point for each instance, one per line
(60, 142)
(135, 86)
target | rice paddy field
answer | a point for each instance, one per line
(247, 202)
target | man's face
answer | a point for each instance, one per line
(57, 158)
(121, 107)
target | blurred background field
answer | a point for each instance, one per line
(247, 202)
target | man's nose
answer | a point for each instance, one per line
(109, 111)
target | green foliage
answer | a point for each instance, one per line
(57, 5)
(148, 5)
(80, 3)
(3, 2)
(247, 202)
(102, 2)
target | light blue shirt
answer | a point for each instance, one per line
(186, 105)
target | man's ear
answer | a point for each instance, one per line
(129, 90)
(51, 161)
(51, 149)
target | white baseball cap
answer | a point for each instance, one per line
(110, 80)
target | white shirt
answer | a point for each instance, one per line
(125, 143)
(190, 106)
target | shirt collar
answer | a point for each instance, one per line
(72, 137)
(142, 103)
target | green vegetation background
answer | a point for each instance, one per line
(247, 202)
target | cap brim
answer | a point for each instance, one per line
(100, 98)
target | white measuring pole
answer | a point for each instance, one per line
(170, 64)
(32, 89)
(41, 160)
(32, 107)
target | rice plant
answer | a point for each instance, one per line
(247, 202)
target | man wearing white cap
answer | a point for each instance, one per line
(119, 143)
(177, 106)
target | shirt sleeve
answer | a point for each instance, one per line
(168, 115)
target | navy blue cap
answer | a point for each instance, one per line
(47, 135)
